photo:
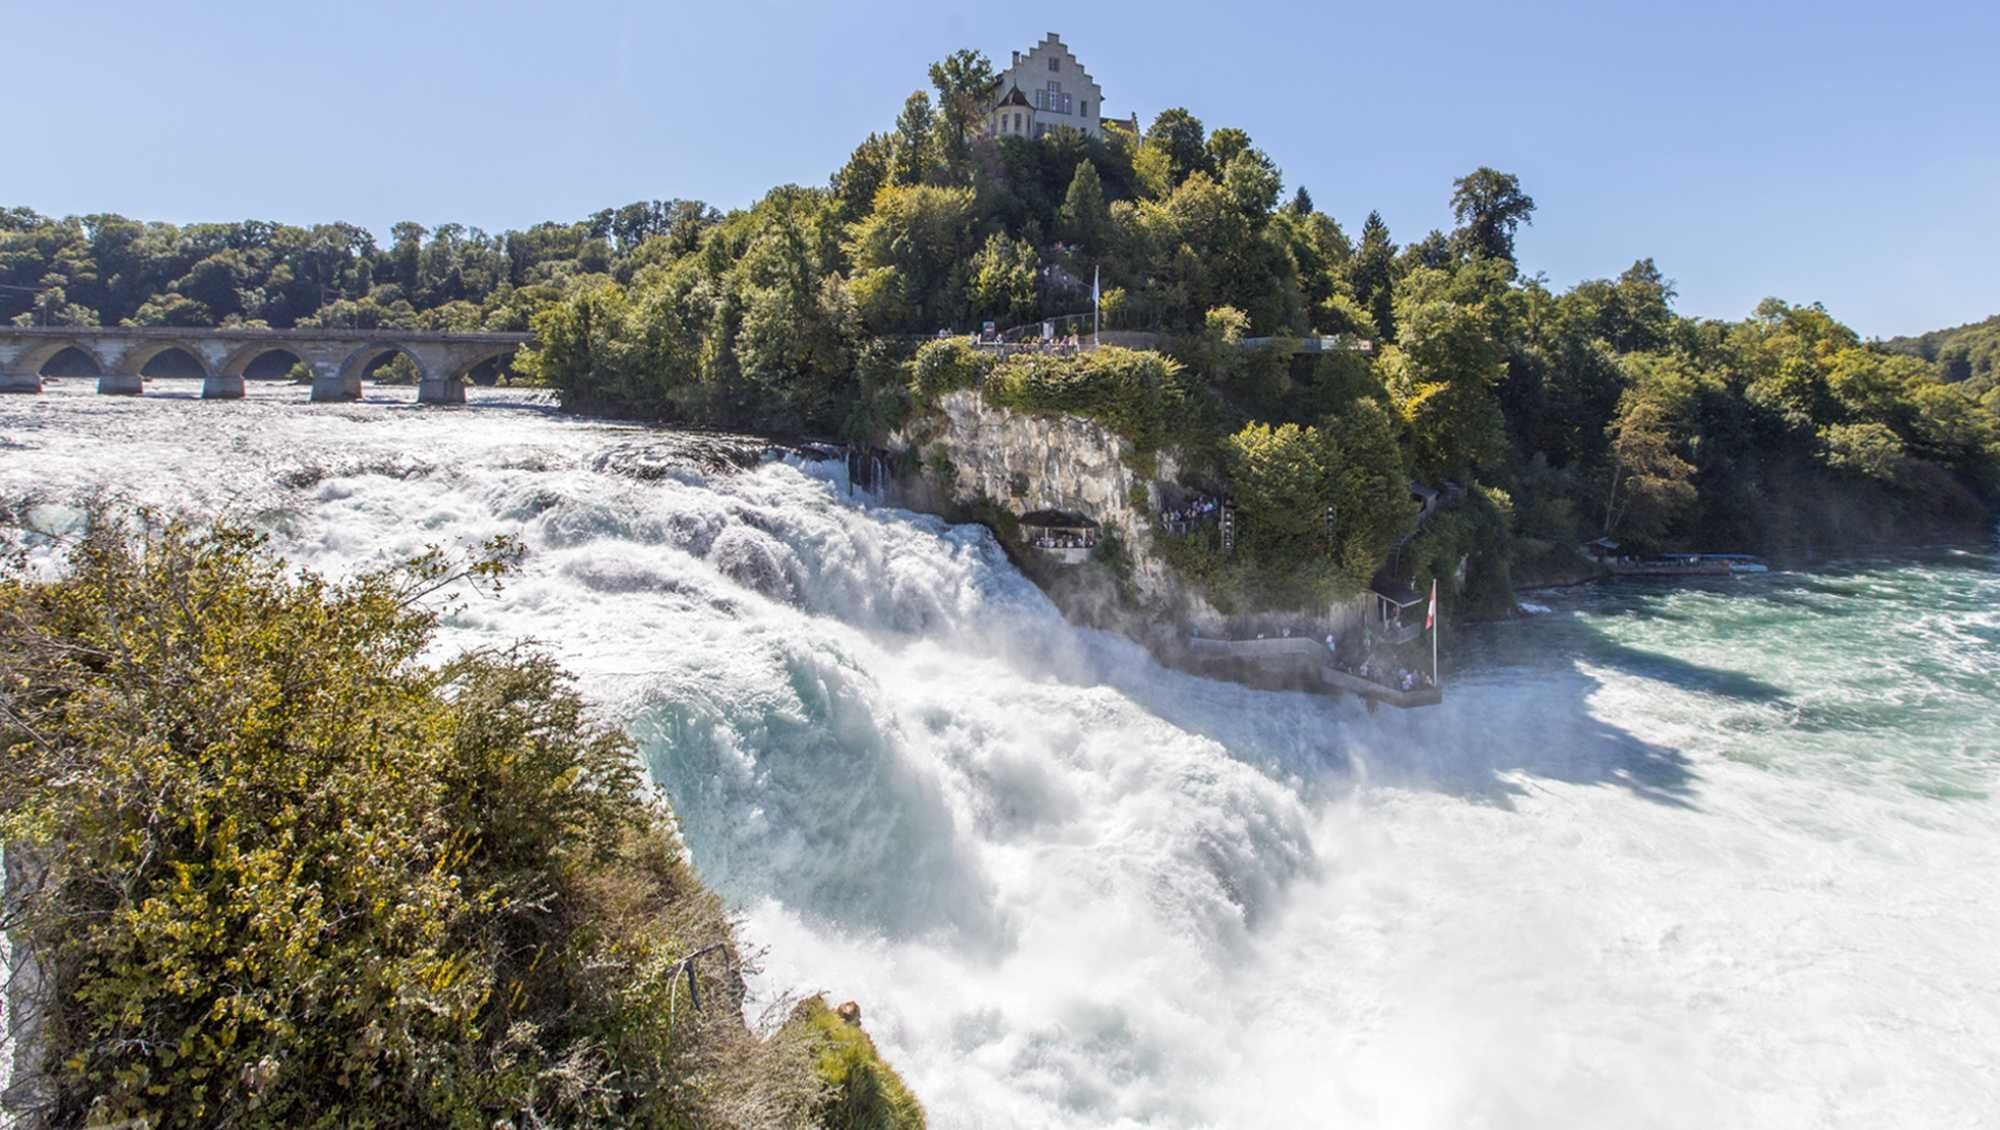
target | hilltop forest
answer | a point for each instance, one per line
(1549, 417)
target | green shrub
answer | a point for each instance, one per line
(1139, 395)
(296, 876)
(946, 365)
(862, 1091)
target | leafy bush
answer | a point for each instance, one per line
(293, 875)
(1141, 396)
(862, 1091)
(946, 365)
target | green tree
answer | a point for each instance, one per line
(1177, 136)
(1450, 356)
(1489, 206)
(964, 81)
(915, 157)
(1369, 486)
(866, 171)
(1253, 183)
(1003, 280)
(1224, 146)
(1651, 484)
(1867, 448)
(173, 310)
(1372, 275)
(1084, 219)
(915, 245)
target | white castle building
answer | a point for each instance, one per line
(1046, 89)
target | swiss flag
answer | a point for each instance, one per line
(1431, 617)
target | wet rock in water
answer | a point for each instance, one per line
(850, 1012)
(690, 454)
(756, 561)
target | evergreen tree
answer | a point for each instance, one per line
(1372, 275)
(915, 142)
(1302, 202)
(1084, 220)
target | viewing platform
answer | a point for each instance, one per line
(1060, 536)
(1294, 659)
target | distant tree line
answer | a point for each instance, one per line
(108, 270)
(1969, 353)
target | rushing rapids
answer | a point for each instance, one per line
(1723, 855)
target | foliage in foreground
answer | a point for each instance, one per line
(294, 875)
(864, 1092)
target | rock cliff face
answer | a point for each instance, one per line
(1026, 463)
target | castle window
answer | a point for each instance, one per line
(1083, 108)
(1055, 64)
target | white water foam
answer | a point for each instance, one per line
(1654, 863)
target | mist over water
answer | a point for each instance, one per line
(1674, 857)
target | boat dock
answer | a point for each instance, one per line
(1606, 553)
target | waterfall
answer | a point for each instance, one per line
(1656, 862)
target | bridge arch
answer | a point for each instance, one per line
(260, 360)
(75, 354)
(500, 357)
(172, 359)
(375, 354)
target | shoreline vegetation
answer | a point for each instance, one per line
(267, 866)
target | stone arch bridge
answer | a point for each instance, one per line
(223, 356)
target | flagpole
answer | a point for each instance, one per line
(1436, 681)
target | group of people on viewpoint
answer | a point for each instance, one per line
(1401, 678)
(1198, 508)
(1058, 539)
(1058, 346)
(1048, 346)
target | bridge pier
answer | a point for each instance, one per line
(222, 388)
(440, 390)
(120, 384)
(336, 388)
(20, 382)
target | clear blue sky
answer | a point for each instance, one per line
(1840, 152)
